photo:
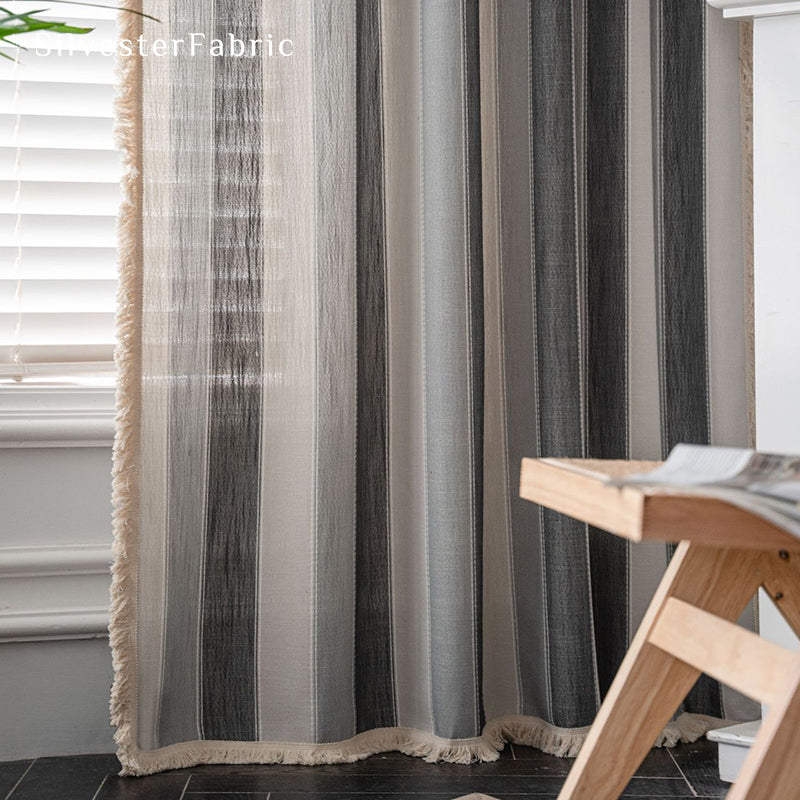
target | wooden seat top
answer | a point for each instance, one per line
(578, 488)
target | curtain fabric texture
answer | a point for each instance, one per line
(359, 284)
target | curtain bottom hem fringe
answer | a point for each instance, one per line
(530, 731)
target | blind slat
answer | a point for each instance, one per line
(55, 132)
(59, 197)
(78, 68)
(60, 356)
(85, 327)
(41, 164)
(59, 231)
(60, 372)
(79, 263)
(41, 296)
(54, 99)
(71, 13)
(102, 38)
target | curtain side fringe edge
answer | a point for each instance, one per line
(122, 627)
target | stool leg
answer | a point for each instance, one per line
(651, 684)
(771, 770)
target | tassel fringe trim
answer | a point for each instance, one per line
(122, 627)
(530, 731)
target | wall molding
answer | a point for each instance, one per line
(756, 8)
(53, 624)
(72, 559)
(72, 580)
(47, 416)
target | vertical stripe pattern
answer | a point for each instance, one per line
(190, 258)
(377, 272)
(374, 669)
(228, 663)
(607, 206)
(556, 278)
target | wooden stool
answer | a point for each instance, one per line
(724, 555)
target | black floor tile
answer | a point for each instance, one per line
(545, 764)
(65, 778)
(305, 780)
(315, 796)
(657, 787)
(395, 796)
(165, 786)
(392, 776)
(658, 764)
(330, 796)
(228, 796)
(10, 773)
(402, 767)
(699, 763)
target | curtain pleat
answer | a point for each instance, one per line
(440, 237)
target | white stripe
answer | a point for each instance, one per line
(153, 470)
(400, 33)
(285, 690)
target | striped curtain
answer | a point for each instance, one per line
(359, 284)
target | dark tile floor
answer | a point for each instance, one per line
(690, 770)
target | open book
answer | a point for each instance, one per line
(764, 484)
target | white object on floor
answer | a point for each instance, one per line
(734, 744)
(475, 797)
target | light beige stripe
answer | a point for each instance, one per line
(500, 666)
(156, 209)
(648, 560)
(727, 341)
(336, 344)
(400, 29)
(285, 630)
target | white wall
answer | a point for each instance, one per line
(55, 548)
(776, 162)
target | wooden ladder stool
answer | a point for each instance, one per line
(725, 555)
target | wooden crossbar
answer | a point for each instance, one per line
(727, 652)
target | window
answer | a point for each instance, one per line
(59, 194)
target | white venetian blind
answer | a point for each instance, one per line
(59, 194)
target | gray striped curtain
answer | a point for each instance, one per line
(359, 284)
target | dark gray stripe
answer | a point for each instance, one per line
(189, 351)
(558, 364)
(374, 678)
(681, 257)
(606, 329)
(229, 600)
(472, 133)
(518, 347)
(681, 221)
